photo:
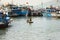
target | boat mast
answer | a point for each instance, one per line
(57, 2)
(42, 4)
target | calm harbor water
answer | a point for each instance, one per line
(42, 28)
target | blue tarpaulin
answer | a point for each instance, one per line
(19, 12)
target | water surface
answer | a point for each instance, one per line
(42, 28)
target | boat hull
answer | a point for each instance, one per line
(3, 25)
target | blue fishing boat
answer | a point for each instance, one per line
(49, 12)
(4, 20)
(18, 11)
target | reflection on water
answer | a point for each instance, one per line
(41, 29)
(2, 33)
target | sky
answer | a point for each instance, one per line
(31, 2)
(36, 3)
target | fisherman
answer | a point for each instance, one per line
(30, 16)
(1, 14)
(30, 20)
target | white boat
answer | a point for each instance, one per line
(53, 14)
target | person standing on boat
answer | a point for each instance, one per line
(2, 13)
(30, 16)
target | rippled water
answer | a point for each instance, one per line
(42, 28)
